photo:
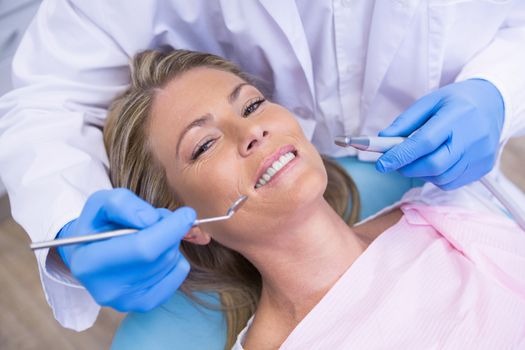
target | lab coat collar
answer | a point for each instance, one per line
(286, 15)
(390, 22)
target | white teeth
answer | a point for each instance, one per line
(276, 166)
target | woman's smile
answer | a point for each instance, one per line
(273, 163)
(278, 168)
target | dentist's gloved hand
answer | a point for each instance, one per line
(458, 137)
(136, 272)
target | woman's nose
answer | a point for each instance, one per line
(254, 138)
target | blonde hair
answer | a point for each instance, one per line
(214, 267)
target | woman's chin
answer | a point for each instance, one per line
(293, 195)
(308, 191)
(271, 211)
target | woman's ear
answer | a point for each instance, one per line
(197, 236)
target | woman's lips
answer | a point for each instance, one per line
(280, 173)
(267, 163)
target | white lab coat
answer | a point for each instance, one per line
(342, 67)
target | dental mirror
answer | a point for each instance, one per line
(236, 205)
(122, 232)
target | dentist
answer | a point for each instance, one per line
(452, 70)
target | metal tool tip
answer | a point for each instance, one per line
(342, 141)
(237, 204)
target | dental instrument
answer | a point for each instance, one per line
(370, 144)
(383, 144)
(122, 232)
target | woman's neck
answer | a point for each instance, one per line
(300, 268)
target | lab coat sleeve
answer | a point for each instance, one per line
(65, 73)
(502, 63)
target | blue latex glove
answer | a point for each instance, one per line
(136, 272)
(456, 142)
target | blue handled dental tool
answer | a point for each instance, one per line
(383, 144)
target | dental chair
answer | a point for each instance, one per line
(183, 324)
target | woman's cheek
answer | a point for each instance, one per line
(213, 183)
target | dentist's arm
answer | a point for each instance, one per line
(464, 126)
(66, 71)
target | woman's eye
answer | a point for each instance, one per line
(201, 149)
(252, 107)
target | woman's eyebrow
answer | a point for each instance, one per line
(235, 92)
(197, 122)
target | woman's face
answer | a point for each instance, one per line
(216, 135)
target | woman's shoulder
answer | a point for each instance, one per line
(370, 230)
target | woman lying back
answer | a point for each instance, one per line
(194, 130)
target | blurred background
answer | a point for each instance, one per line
(26, 321)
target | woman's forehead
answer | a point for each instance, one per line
(193, 90)
(205, 78)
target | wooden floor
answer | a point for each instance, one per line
(26, 322)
